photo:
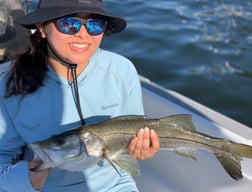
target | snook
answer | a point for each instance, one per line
(109, 139)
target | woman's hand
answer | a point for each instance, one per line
(37, 178)
(144, 145)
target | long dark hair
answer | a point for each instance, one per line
(28, 68)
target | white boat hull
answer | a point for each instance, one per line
(169, 172)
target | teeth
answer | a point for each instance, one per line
(78, 45)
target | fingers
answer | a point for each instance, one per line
(37, 178)
(155, 144)
(132, 146)
(145, 144)
(140, 144)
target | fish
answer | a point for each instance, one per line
(85, 146)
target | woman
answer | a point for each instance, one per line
(44, 97)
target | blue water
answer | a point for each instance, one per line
(200, 48)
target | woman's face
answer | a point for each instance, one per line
(77, 48)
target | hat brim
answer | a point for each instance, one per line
(115, 24)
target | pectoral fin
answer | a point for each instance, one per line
(128, 163)
(111, 163)
(125, 161)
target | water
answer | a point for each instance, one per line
(199, 48)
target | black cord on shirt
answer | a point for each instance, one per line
(73, 73)
(76, 91)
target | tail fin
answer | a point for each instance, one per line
(242, 150)
(231, 161)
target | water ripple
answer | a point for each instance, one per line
(201, 48)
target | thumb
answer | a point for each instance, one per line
(35, 164)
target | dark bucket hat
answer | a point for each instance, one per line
(52, 9)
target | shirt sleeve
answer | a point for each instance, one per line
(14, 175)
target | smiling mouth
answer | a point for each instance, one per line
(81, 46)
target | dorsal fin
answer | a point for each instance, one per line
(179, 120)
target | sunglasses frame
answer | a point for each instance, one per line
(59, 23)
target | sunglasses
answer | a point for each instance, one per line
(72, 25)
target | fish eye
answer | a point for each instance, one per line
(59, 141)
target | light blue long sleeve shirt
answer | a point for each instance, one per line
(108, 87)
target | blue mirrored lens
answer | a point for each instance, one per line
(68, 25)
(72, 25)
(95, 26)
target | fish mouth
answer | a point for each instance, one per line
(40, 153)
(54, 158)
